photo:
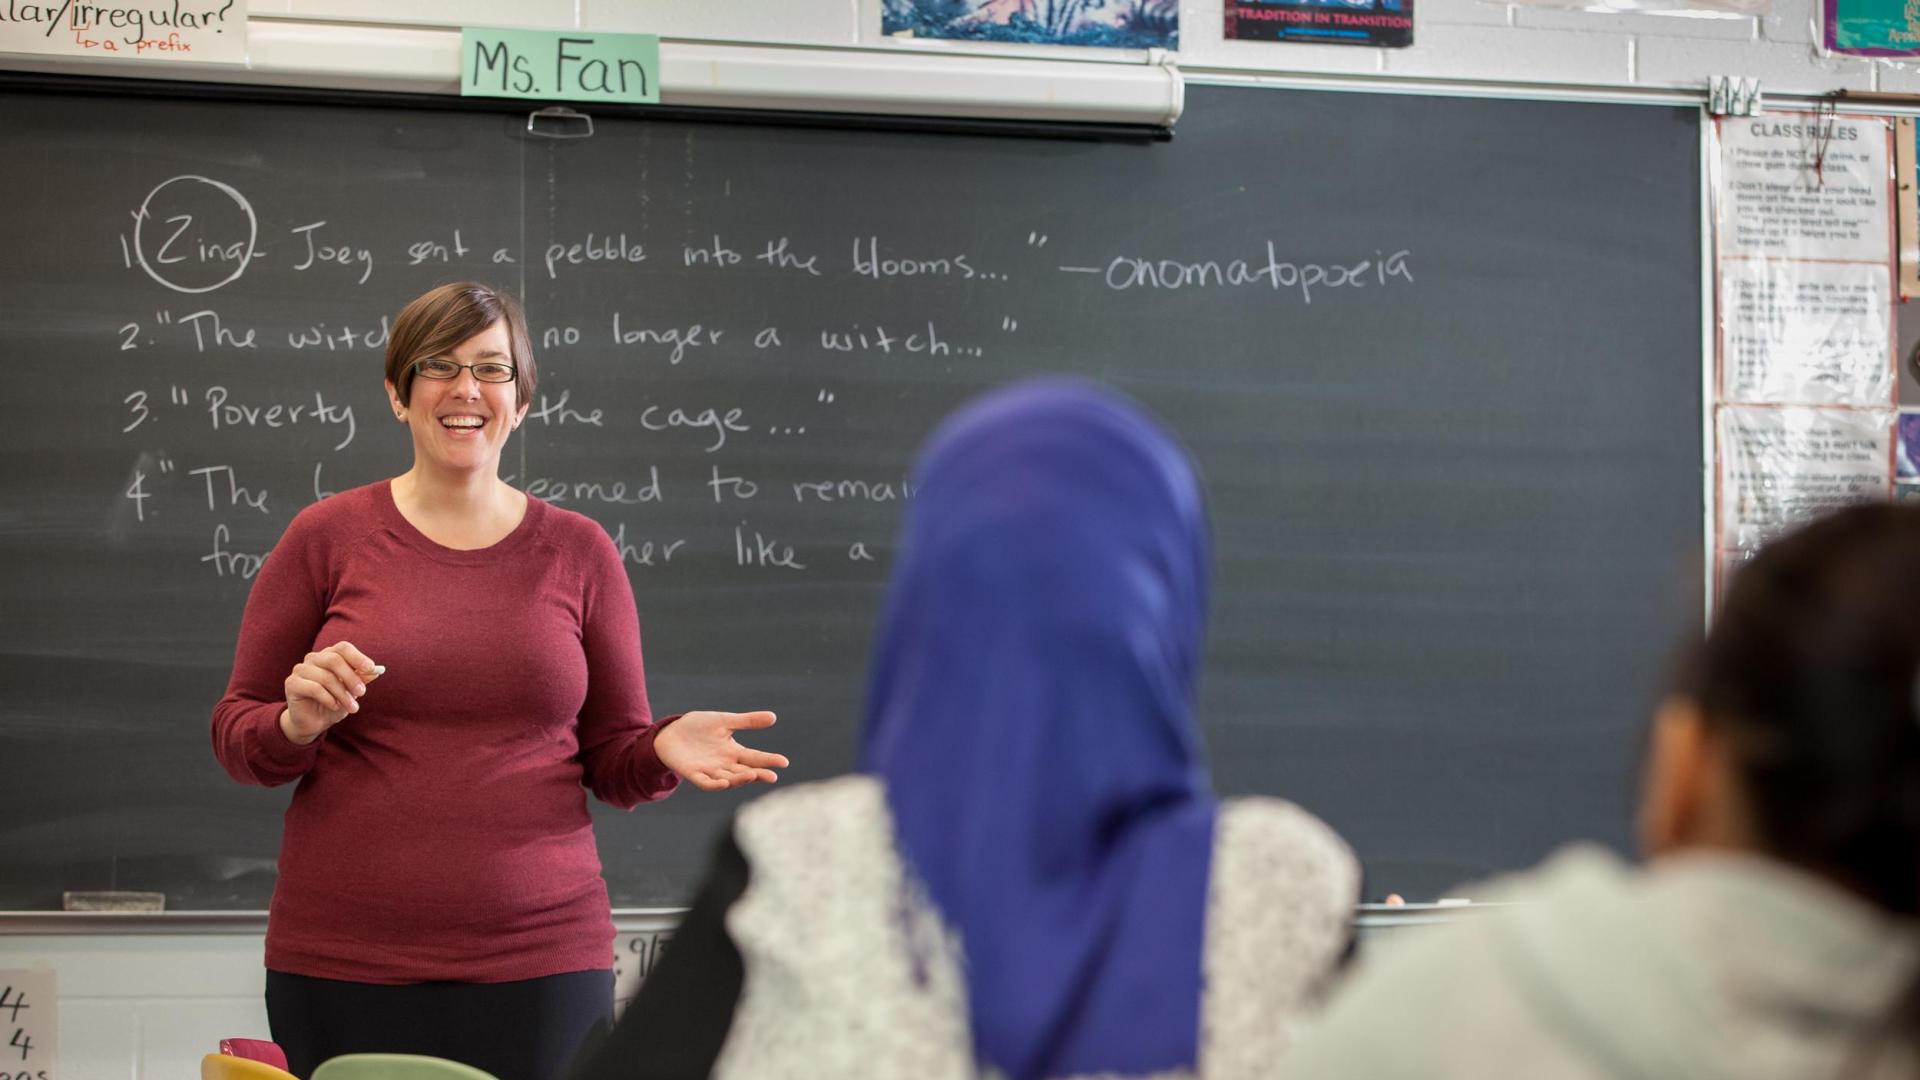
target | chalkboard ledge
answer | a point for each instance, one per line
(1367, 917)
(625, 921)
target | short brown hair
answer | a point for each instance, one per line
(440, 319)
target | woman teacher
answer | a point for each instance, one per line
(442, 662)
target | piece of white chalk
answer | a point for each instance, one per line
(113, 901)
(379, 669)
(1452, 901)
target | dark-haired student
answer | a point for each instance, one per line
(1030, 876)
(1771, 932)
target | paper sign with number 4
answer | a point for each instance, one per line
(27, 1023)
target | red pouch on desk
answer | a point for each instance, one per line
(256, 1050)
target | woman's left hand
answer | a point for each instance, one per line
(699, 747)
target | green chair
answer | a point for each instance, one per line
(396, 1067)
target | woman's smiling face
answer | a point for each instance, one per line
(461, 424)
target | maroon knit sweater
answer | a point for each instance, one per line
(441, 832)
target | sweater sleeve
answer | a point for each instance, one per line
(284, 611)
(616, 725)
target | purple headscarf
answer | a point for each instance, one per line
(1031, 715)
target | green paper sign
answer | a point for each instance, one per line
(1873, 27)
(559, 65)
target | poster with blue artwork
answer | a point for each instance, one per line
(1110, 24)
(1906, 448)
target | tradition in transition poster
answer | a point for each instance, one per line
(1378, 23)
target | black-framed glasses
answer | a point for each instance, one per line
(486, 370)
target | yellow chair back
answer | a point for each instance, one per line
(228, 1067)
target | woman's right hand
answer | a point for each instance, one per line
(324, 688)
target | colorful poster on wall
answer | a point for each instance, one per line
(1378, 23)
(1906, 447)
(1872, 27)
(1110, 24)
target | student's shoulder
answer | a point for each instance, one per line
(820, 850)
(851, 797)
(1487, 981)
(1262, 836)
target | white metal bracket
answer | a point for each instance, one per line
(559, 122)
(1729, 95)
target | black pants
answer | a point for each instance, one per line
(525, 1030)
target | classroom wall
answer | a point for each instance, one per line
(149, 1001)
(1469, 40)
(145, 1006)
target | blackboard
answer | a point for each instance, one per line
(1439, 360)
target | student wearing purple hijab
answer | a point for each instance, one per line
(1030, 876)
